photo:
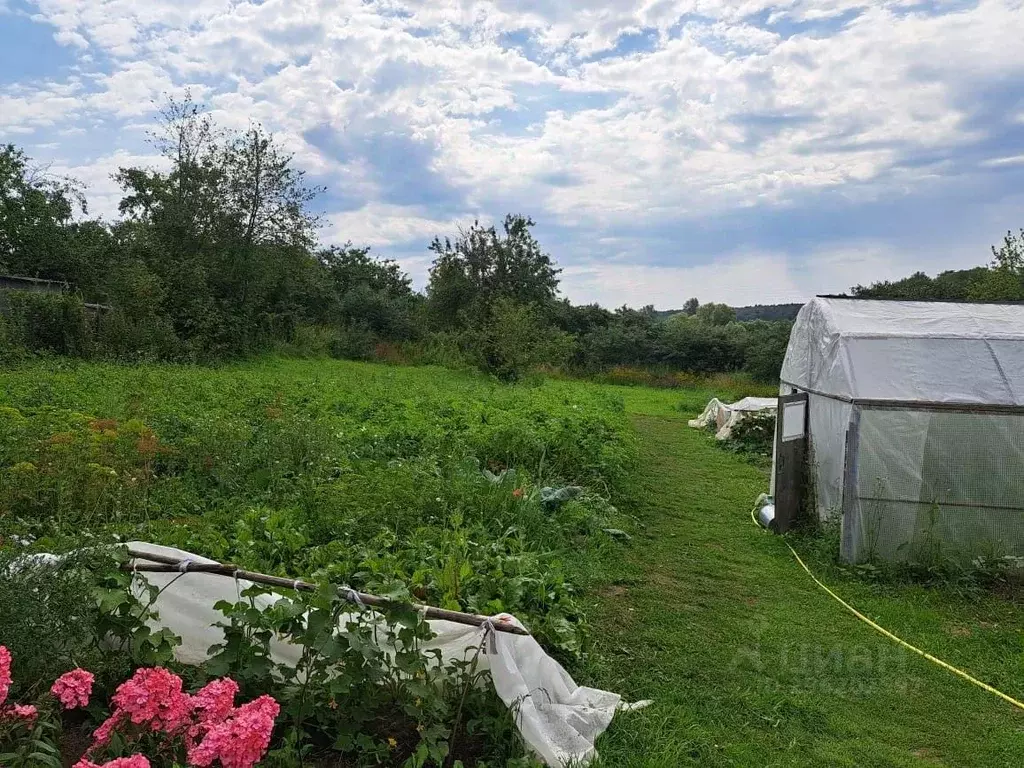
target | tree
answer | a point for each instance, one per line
(691, 306)
(1004, 280)
(369, 291)
(267, 197)
(226, 230)
(998, 284)
(715, 314)
(514, 340)
(631, 337)
(766, 348)
(482, 265)
(690, 344)
(36, 213)
(1010, 255)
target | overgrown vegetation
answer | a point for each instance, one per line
(415, 483)
(216, 255)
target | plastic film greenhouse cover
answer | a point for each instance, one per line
(909, 350)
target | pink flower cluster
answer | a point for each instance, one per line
(25, 712)
(73, 688)
(240, 740)
(212, 727)
(214, 702)
(153, 698)
(135, 761)
(5, 673)
(208, 723)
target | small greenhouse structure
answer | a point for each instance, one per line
(914, 420)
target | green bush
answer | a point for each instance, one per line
(47, 322)
(754, 436)
(514, 340)
(80, 610)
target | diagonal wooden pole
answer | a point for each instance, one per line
(170, 564)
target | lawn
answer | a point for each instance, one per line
(749, 663)
(432, 479)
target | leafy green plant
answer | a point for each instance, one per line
(754, 435)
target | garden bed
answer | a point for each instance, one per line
(419, 484)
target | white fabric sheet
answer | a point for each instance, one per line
(725, 416)
(558, 719)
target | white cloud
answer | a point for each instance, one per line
(379, 224)
(996, 162)
(735, 280)
(724, 112)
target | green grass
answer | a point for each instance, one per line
(749, 663)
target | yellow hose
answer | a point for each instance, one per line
(935, 660)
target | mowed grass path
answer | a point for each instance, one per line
(750, 664)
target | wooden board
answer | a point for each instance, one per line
(790, 458)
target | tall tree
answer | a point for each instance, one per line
(226, 228)
(36, 212)
(482, 265)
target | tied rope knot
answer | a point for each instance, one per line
(351, 595)
(183, 565)
(490, 632)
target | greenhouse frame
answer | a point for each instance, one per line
(914, 425)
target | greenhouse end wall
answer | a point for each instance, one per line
(933, 485)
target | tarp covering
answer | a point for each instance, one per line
(558, 719)
(724, 416)
(933, 352)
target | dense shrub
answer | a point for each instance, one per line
(46, 322)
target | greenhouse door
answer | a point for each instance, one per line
(790, 453)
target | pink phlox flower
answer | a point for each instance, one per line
(73, 688)
(211, 704)
(135, 761)
(102, 734)
(26, 712)
(153, 698)
(214, 701)
(241, 740)
(5, 673)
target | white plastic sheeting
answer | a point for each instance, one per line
(558, 719)
(918, 476)
(935, 485)
(724, 416)
(908, 350)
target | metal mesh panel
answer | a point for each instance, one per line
(930, 486)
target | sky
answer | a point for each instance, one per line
(742, 151)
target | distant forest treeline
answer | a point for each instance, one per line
(217, 256)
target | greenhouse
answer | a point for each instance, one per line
(914, 425)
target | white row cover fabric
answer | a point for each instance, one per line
(558, 719)
(724, 416)
(932, 352)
